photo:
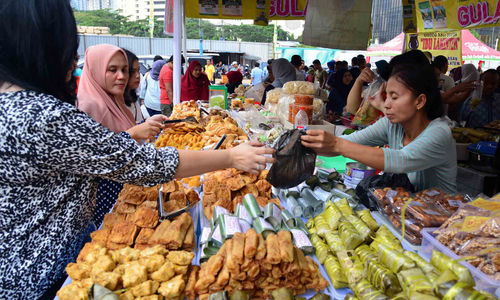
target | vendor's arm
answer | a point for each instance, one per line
(354, 98)
(73, 142)
(458, 94)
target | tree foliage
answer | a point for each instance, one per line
(119, 24)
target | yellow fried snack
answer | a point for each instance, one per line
(134, 275)
(108, 280)
(273, 251)
(77, 271)
(182, 258)
(285, 246)
(146, 288)
(172, 288)
(72, 292)
(164, 273)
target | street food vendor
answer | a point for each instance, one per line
(420, 143)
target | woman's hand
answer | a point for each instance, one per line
(366, 75)
(149, 129)
(249, 157)
(379, 100)
(465, 87)
(322, 142)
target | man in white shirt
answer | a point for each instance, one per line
(446, 83)
(257, 74)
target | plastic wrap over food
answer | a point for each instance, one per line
(274, 95)
(299, 87)
(318, 109)
(284, 106)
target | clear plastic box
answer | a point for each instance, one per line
(483, 281)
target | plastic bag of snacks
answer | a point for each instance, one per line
(274, 95)
(299, 87)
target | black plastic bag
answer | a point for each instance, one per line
(294, 162)
(381, 181)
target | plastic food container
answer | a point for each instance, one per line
(304, 99)
(307, 108)
(483, 281)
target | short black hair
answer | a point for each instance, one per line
(38, 45)
(270, 61)
(440, 61)
(257, 64)
(130, 96)
(360, 56)
(354, 61)
(157, 57)
(338, 63)
(296, 60)
(316, 62)
(493, 71)
(420, 79)
(171, 59)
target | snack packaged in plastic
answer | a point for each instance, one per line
(321, 248)
(393, 260)
(364, 290)
(321, 225)
(334, 241)
(349, 235)
(332, 215)
(274, 95)
(382, 278)
(366, 216)
(443, 263)
(414, 280)
(299, 87)
(335, 272)
(363, 230)
(365, 253)
(421, 263)
(344, 207)
(352, 267)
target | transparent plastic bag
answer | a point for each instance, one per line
(256, 92)
(274, 95)
(318, 109)
(284, 107)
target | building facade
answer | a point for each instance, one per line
(100, 4)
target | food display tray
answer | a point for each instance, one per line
(483, 281)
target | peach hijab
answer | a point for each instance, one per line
(93, 99)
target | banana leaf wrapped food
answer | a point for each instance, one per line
(350, 297)
(414, 280)
(421, 263)
(349, 235)
(365, 253)
(385, 237)
(443, 263)
(363, 229)
(461, 291)
(332, 215)
(321, 225)
(222, 295)
(392, 259)
(365, 291)
(320, 296)
(351, 265)
(367, 217)
(335, 272)
(382, 278)
(344, 207)
(310, 223)
(334, 241)
(239, 295)
(321, 248)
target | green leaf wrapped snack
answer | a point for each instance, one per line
(365, 253)
(352, 266)
(321, 248)
(239, 295)
(393, 260)
(366, 216)
(320, 296)
(332, 215)
(421, 263)
(350, 297)
(349, 235)
(414, 280)
(365, 291)
(282, 294)
(460, 291)
(334, 241)
(335, 272)
(321, 225)
(344, 207)
(382, 278)
(363, 230)
(443, 263)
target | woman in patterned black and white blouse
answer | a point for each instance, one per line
(52, 154)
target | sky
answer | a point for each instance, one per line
(295, 27)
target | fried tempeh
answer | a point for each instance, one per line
(273, 252)
(285, 246)
(161, 233)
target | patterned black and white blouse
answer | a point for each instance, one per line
(51, 156)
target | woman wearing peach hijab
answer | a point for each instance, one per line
(100, 95)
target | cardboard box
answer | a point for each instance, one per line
(322, 125)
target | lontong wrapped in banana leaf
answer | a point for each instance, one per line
(343, 206)
(367, 217)
(414, 280)
(335, 272)
(443, 263)
(349, 235)
(365, 291)
(320, 296)
(334, 241)
(351, 265)
(350, 297)
(310, 223)
(332, 215)
(384, 236)
(282, 293)
(239, 295)
(321, 225)
(382, 278)
(460, 291)
(393, 259)
(321, 248)
(365, 253)
(222, 295)
(363, 230)
(421, 263)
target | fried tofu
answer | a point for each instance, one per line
(108, 280)
(144, 236)
(90, 252)
(146, 288)
(125, 255)
(164, 273)
(157, 249)
(171, 206)
(160, 234)
(152, 262)
(72, 292)
(172, 288)
(134, 274)
(78, 271)
(182, 258)
(124, 208)
(151, 204)
(115, 246)
(176, 231)
(151, 193)
(103, 264)
(124, 233)
(100, 235)
(111, 219)
(146, 217)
